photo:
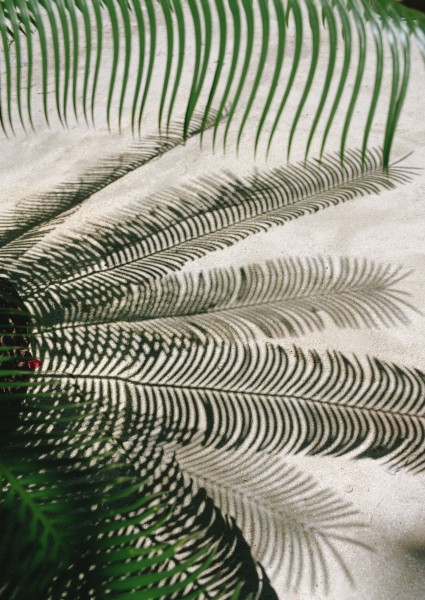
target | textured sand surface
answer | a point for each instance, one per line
(387, 228)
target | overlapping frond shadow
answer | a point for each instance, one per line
(290, 523)
(53, 476)
(96, 264)
(174, 382)
(228, 408)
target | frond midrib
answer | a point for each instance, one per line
(297, 201)
(366, 291)
(272, 395)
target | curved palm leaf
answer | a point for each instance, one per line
(213, 28)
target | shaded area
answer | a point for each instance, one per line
(143, 372)
(15, 357)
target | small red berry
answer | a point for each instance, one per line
(34, 364)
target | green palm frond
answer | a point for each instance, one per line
(159, 234)
(295, 527)
(231, 44)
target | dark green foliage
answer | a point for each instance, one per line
(66, 39)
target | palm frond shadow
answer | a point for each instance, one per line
(160, 234)
(23, 225)
(292, 524)
(281, 298)
(276, 399)
(161, 375)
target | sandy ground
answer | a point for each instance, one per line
(389, 228)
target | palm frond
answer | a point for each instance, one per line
(71, 35)
(294, 526)
(269, 397)
(142, 242)
(280, 298)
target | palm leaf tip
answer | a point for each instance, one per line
(139, 30)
